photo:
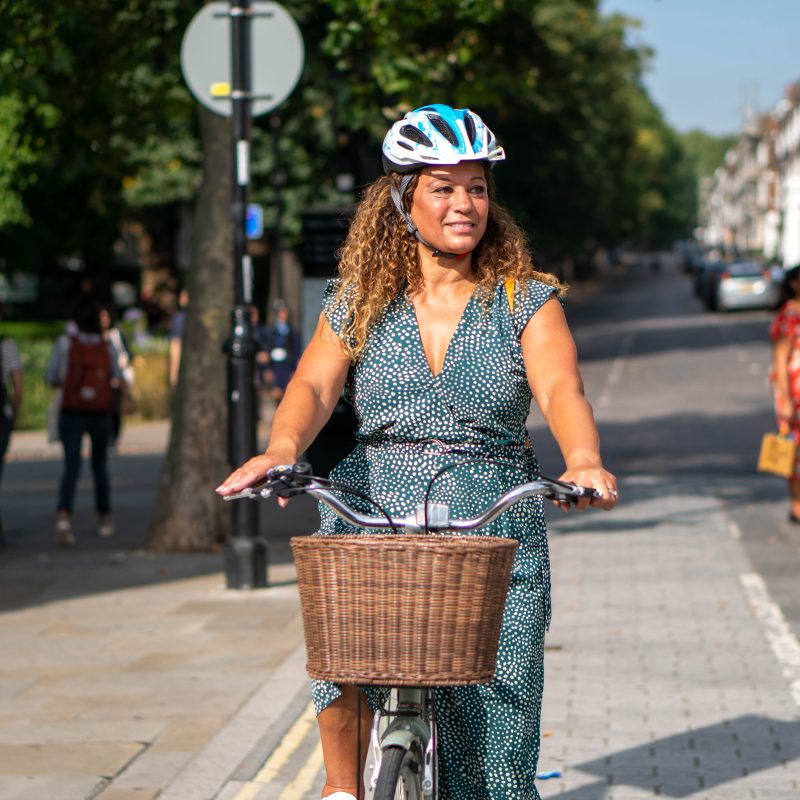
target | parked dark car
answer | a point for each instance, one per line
(705, 279)
(693, 258)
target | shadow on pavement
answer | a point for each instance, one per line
(34, 571)
(698, 445)
(740, 330)
(696, 761)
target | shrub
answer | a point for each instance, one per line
(151, 385)
(36, 394)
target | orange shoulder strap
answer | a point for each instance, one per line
(510, 286)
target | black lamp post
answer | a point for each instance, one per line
(246, 552)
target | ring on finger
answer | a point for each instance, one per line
(613, 493)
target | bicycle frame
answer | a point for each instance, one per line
(411, 721)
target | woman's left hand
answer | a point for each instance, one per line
(597, 478)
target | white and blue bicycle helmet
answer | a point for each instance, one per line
(438, 134)
(435, 134)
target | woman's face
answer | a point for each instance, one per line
(450, 206)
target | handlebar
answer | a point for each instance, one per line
(289, 480)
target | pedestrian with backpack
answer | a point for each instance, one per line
(84, 366)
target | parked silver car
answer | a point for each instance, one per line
(744, 284)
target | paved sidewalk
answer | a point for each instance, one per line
(668, 673)
(137, 438)
(118, 667)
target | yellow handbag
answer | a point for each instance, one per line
(777, 454)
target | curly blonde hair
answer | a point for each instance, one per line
(379, 258)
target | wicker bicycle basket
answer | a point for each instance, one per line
(402, 610)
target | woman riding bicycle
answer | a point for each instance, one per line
(440, 329)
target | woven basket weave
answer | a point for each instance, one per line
(402, 610)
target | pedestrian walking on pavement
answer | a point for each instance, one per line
(440, 329)
(785, 374)
(84, 366)
(281, 346)
(176, 325)
(10, 398)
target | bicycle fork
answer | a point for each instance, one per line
(408, 722)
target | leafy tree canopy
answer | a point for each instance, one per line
(706, 152)
(96, 125)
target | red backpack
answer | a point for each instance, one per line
(87, 386)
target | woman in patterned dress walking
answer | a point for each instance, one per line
(785, 374)
(440, 330)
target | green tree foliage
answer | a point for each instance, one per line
(99, 126)
(705, 152)
(15, 155)
(660, 194)
(593, 160)
(96, 86)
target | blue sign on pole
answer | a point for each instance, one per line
(254, 221)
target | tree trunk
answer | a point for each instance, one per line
(188, 515)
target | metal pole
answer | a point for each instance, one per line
(246, 552)
(278, 184)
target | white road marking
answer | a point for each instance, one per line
(734, 530)
(781, 638)
(615, 373)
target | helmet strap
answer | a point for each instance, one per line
(398, 192)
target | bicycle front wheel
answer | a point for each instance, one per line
(400, 776)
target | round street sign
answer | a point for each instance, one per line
(277, 52)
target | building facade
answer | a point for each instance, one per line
(787, 153)
(750, 207)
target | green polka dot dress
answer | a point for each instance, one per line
(471, 415)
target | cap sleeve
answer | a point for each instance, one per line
(333, 308)
(784, 326)
(528, 299)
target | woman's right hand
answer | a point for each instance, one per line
(250, 473)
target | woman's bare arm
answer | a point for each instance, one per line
(307, 405)
(552, 369)
(781, 350)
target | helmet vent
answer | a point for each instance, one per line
(469, 124)
(444, 129)
(405, 146)
(416, 135)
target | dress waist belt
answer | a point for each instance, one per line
(434, 446)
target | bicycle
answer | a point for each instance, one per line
(402, 762)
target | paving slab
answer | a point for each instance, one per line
(121, 690)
